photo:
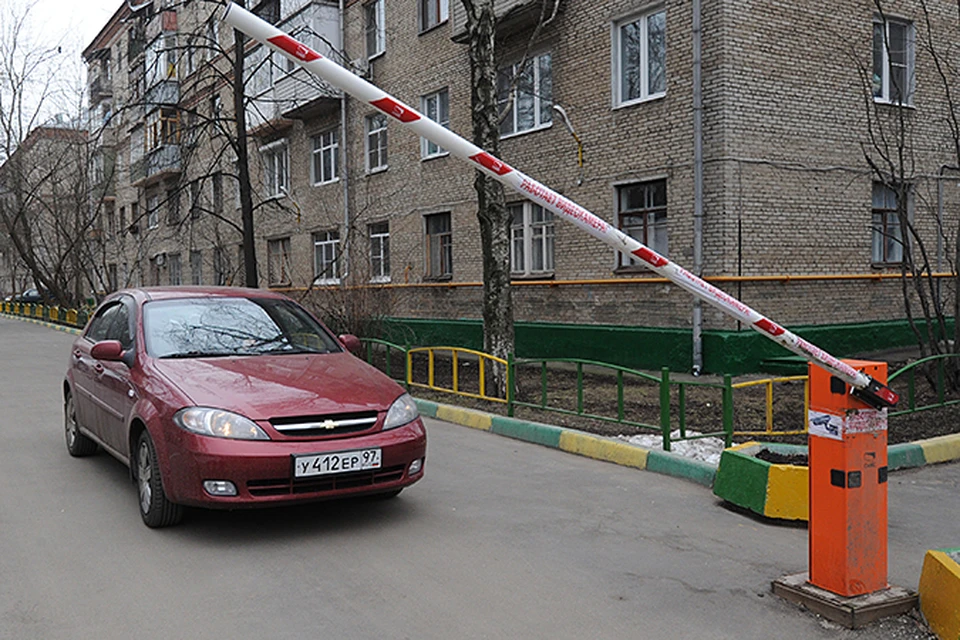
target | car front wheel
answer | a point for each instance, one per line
(155, 509)
(78, 445)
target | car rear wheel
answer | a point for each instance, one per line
(155, 509)
(78, 445)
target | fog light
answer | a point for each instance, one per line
(220, 487)
(415, 467)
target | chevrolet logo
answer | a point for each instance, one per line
(328, 424)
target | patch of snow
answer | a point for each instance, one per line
(705, 449)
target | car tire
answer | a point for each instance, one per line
(78, 445)
(155, 509)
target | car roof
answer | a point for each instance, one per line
(147, 294)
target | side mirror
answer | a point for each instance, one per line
(352, 343)
(110, 350)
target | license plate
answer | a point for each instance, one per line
(338, 462)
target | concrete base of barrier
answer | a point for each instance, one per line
(771, 490)
(851, 612)
(940, 592)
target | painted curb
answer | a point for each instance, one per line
(574, 441)
(940, 592)
(44, 323)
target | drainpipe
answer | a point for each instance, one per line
(940, 248)
(343, 167)
(697, 187)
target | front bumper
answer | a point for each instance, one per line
(262, 471)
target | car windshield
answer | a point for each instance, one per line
(213, 327)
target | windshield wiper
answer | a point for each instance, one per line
(197, 354)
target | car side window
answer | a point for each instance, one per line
(100, 325)
(119, 328)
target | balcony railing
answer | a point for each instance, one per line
(160, 162)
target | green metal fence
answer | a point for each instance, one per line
(938, 379)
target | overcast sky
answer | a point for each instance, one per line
(74, 23)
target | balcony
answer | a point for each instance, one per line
(162, 162)
(513, 16)
(100, 87)
(163, 93)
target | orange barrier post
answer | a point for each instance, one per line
(848, 485)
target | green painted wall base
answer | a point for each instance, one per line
(733, 352)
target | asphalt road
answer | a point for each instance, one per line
(502, 539)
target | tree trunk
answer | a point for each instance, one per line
(498, 334)
(243, 169)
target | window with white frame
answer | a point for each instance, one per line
(432, 13)
(326, 249)
(278, 261)
(376, 127)
(439, 246)
(886, 238)
(531, 239)
(642, 214)
(174, 270)
(379, 252)
(276, 168)
(196, 267)
(893, 60)
(375, 27)
(525, 95)
(325, 157)
(153, 211)
(435, 106)
(640, 57)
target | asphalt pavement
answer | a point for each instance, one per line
(502, 539)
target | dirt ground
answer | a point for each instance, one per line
(702, 398)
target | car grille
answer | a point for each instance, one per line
(325, 425)
(286, 486)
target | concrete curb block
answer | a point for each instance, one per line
(44, 323)
(940, 592)
(574, 441)
(768, 489)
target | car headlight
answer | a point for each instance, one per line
(402, 411)
(219, 424)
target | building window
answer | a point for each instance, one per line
(642, 215)
(195, 199)
(432, 13)
(640, 58)
(196, 267)
(112, 276)
(375, 28)
(893, 61)
(527, 99)
(278, 261)
(269, 10)
(439, 246)
(376, 126)
(163, 127)
(326, 152)
(887, 241)
(435, 106)
(217, 192)
(276, 168)
(531, 239)
(379, 252)
(111, 222)
(326, 247)
(173, 269)
(173, 206)
(153, 211)
(221, 266)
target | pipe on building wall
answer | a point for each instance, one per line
(344, 179)
(697, 186)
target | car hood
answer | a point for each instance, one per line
(274, 386)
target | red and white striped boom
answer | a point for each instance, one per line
(865, 387)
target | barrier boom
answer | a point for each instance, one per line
(866, 388)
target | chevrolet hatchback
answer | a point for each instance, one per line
(223, 397)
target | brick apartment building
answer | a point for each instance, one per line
(796, 104)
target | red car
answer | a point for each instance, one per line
(225, 397)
